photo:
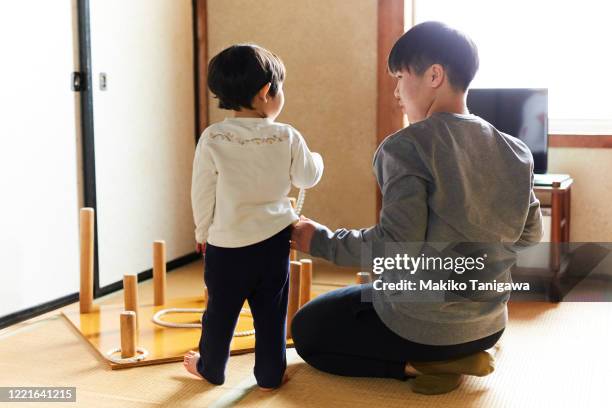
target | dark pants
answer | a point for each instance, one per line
(259, 274)
(338, 333)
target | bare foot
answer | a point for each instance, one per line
(410, 371)
(190, 361)
(285, 379)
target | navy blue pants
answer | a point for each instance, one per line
(339, 334)
(259, 274)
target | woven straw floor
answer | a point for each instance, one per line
(550, 356)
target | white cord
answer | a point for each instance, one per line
(300, 201)
(157, 320)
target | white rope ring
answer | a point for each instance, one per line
(157, 320)
(141, 354)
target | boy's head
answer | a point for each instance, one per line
(431, 61)
(240, 73)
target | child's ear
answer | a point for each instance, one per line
(436, 75)
(263, 92)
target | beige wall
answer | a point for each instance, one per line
(329, 49)
(591, 169)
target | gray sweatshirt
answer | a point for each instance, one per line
(449, 178)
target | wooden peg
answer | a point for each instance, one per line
(295, 269)
(159, 273)
(130, 294)
(363, 278)
(305, 281)
(87, 260)
(128, 334)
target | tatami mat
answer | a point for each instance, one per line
(550, 356)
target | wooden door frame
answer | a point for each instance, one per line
(389, 116)
(200, 21)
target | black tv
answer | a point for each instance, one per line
(519, 112)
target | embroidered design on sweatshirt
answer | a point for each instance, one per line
(232, 138)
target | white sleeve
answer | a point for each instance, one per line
(203, 188)
(306, 166)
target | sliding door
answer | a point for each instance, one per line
(144, 131)
(39, 256)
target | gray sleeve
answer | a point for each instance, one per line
(532, 231)
(403, 217)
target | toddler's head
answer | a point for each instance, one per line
(248, 78)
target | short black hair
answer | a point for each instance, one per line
(237, 73)
(431, 43)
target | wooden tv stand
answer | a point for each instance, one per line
(559, 192)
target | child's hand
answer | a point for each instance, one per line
(301, 234)
(201, 248)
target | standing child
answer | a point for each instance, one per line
(243, 170)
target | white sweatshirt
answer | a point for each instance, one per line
(242, 172)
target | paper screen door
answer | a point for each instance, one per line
(144, 131)
(38, 155)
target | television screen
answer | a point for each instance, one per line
(519, 112)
